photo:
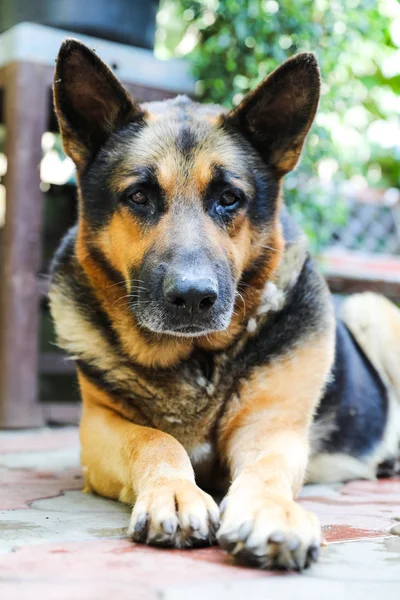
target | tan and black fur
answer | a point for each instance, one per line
(175, 189)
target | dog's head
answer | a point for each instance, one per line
(181, 200)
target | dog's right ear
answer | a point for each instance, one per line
(90, 102)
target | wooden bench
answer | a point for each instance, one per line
(349, 272)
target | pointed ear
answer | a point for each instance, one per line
(276, 117)
(89, 100)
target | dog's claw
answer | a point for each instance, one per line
(245, 530)
(222, 505)
(194, 523)
(169, 526)
(140, 528)
(277, 537)
(314, 553)
(214, 520)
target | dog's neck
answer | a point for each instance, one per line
(276, 291)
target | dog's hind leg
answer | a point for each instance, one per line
(374, 321)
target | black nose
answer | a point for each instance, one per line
(190, 295)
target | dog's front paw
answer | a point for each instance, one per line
(269, 532)
(174, 513)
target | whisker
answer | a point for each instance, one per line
(243, 301)
(244, 284)
(266, 247)
(123, 282)
(121, 298)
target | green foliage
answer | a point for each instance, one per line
(233, 44)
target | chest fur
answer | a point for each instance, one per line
(185, 401)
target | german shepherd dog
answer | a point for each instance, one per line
(203, 335)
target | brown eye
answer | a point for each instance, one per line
(138, 197)
(228, 199)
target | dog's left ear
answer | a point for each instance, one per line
(276, 117)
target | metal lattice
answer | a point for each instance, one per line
(371, 228)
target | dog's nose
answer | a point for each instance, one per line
(190, 295)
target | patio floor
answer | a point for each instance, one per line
(57, 543)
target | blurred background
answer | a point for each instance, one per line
(345, 193)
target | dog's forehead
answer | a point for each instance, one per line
(182, 142)
(184, 108)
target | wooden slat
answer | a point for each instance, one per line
(350, 272)
(40, 44)
(61, 413)
(26, 112)
(346, 286)
(52, 363)
(43, 286)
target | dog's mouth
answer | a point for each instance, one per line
(189, 331)
(180, 330)
(156, 321)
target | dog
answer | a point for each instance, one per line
(208, 352)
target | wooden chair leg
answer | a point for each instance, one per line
(26, 114)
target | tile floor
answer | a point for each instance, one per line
(57, 543)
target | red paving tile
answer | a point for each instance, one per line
(348, 533)
(86, 567)
(358, 509)
(122, 561)
(19, 487)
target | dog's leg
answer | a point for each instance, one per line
(150, 468)
(375, 323)
(265, 442)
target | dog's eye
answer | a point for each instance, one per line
(138, 197)
(229, 200)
